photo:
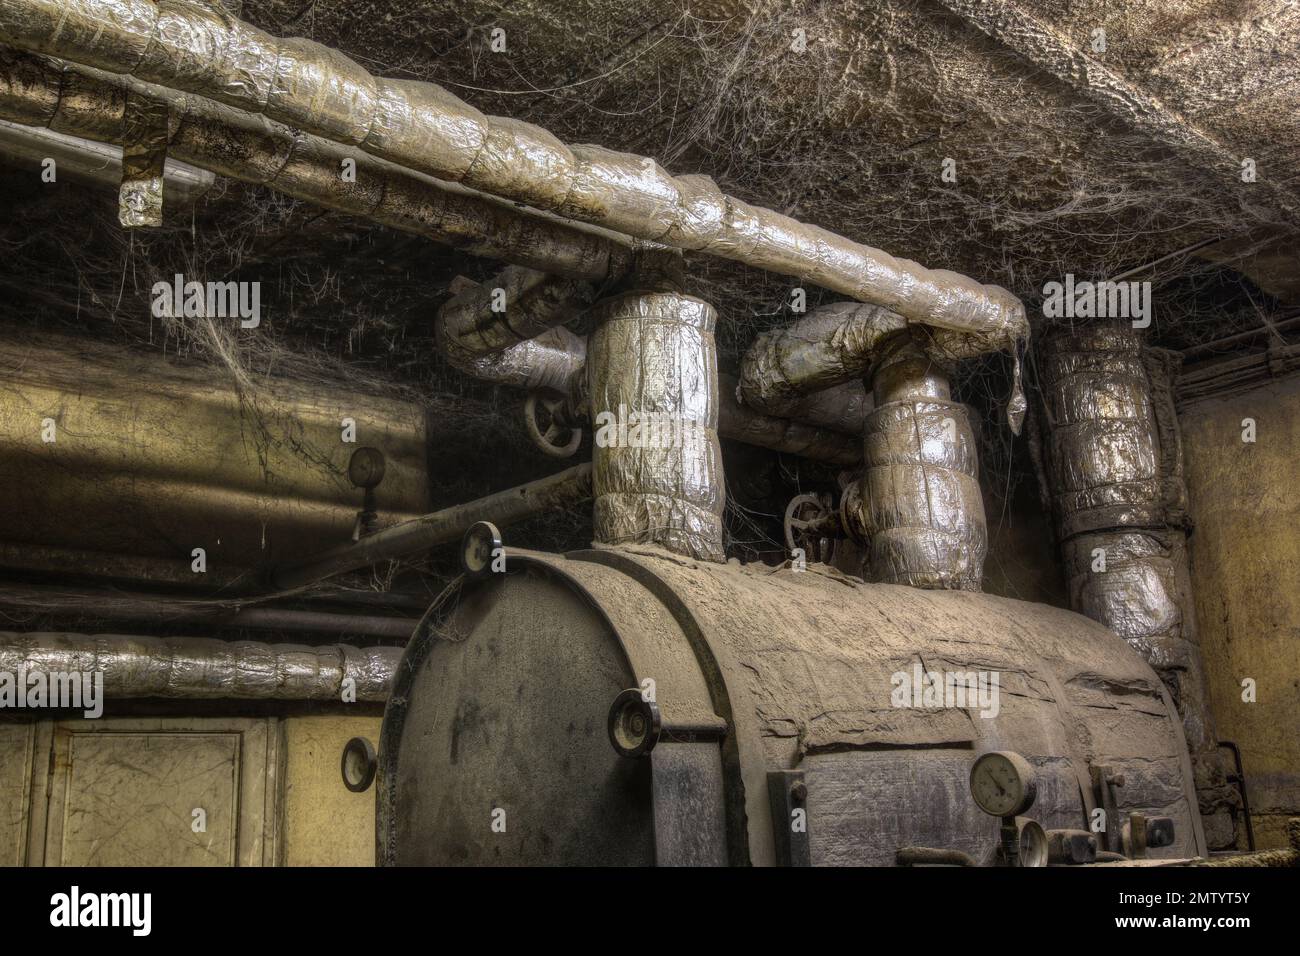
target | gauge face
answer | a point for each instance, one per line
(1032, 843)
(1002, 783)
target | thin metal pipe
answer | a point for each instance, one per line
(1240, 780)
(571, 486)
(166, 610)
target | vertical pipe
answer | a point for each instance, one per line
(920, 500)
(1114, 467)
(653, 381)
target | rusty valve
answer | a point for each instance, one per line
(550, 423)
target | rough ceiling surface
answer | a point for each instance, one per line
(1067, 157)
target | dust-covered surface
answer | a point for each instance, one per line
(812, 664)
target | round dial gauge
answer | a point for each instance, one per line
(1002, 783)
(1032, 843)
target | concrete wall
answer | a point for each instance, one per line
(1245, 500)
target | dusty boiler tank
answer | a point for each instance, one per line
(624, 705)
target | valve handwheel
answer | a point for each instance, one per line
(545, 418)
(811, 523)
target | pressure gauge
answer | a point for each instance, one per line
(1002, 783)
(479, 548)
(1032, 843)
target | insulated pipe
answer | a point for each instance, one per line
(653, 387)
(516, 305)
(86, 103)
(841, 408)
(831, 346)
(560, 490)
(509, 330)
(1114, 467)
(793, 371)
(920, 496)
(196, 668)
(421, 126)
(553, 360)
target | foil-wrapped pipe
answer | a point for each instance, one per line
(422, 126)
(553, 360)
(96, 163)
(515, 305)
(1114, 470)
(1102, 446)
(740, 423)
(87, 103)
(812, 369)
(653, 393)
(842, 408)
(205, 668)
(920, 502)
(833, 345)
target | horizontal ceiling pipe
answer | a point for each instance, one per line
(197, 668)
(785, 435)
(207, 51)
(86, 103)
(166, 610)
(513, 306)
(834, 347)
(569, 487)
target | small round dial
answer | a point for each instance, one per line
(1032, 844)
(1002, 783)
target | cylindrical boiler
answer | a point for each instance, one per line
(762, 693)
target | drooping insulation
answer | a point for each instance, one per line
(653, 386)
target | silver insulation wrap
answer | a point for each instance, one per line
(1102, 446)
(422, 126)
(515, 305)
(831, 347)
(83, 102)
(653, 389)
(205, 668)
(842, 408)
(791, 371)
(144, 158)
(1114, 467)
(920, 503)
(553, 360)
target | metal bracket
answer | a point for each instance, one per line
(789, 796)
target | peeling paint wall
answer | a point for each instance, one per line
(1245, 571)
